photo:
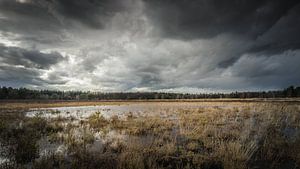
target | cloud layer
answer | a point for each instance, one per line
(150, 45)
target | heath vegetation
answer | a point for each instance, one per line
(216, 135)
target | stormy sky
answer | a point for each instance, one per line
(150, 45)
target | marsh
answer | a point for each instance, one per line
(151, 135)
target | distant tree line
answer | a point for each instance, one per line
(23, 93)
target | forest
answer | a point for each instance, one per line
(9, 93)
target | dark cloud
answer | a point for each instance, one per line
(207, 18)
(283, 35)
(26, 77)
(27, 17)
(29, 24)
(18, 76)
(22, 67)
(92, 13)
(44, 23)
(268, 26)
(28, 58)
(125, 45)
(262, 71)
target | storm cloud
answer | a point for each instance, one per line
(28, 58)
(206, 18)
(150, 45)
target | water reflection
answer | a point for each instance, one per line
(72, 120)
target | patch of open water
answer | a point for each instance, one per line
(78, 113)
(137, 109)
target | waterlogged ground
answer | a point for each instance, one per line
(121, 110)
(77, 115)
(152, 135)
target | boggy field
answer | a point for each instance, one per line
(150, 135)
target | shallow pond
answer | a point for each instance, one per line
(80, 113)
(137, 109)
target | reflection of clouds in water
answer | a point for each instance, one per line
(75, 115)
(3, 160)
(46, 147)
(137, 109)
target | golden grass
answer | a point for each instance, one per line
(227, 135)
(19, 105)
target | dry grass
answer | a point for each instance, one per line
(227, 135)
(19, 105)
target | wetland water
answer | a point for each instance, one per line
(137, 109)
(76, 115)
(182, 129)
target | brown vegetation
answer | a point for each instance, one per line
(231, 135)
